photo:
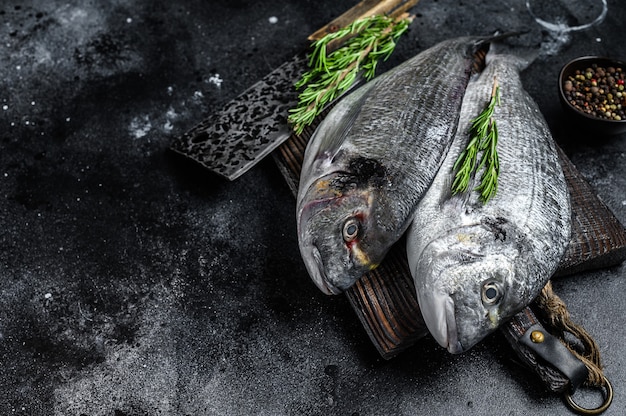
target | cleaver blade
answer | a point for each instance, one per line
(252, 125)
(247, 128)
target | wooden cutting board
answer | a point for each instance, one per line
(384, 299)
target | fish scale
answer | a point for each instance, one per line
(389, 128)
(459, 248)
(404, 121)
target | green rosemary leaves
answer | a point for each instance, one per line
(373, 38)
(483, 138)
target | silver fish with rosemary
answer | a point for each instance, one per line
(476, 264)
(373, 157)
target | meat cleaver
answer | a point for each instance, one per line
(253, 124)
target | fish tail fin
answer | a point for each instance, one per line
(521, 57)
(499, 36)
(500, 44)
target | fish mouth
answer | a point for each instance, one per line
(438, 313)
(310, 253)
(316, 271)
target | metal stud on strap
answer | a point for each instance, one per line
(554, 352)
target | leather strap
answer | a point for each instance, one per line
(554, 352)
(550, 359)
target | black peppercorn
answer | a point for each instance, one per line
(598, 92)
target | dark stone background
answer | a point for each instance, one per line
(134, 283)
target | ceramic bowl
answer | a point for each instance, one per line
(589, 121)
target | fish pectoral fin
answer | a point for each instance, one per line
(337, 124)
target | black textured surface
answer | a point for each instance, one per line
(134, 283)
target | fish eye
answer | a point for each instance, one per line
(351, 230)
(491, 293)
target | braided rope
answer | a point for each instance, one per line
(559, 321)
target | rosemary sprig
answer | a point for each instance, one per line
(483, 138)
(332, 74)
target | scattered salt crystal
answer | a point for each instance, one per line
(216, 80)
(48, 296)
(624, 202)
(5, 107)
(171, 113)
(598, 40)
(32, 103)
(273, 20)
(129, 20)
(140, 126)
(67, 119)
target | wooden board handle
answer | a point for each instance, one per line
(365, 8)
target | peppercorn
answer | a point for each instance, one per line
(568, 85)
(597, 91)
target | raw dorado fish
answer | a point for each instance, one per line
(370, 161)
(475, 265)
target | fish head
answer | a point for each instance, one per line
(337, 232)
(467, 291)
